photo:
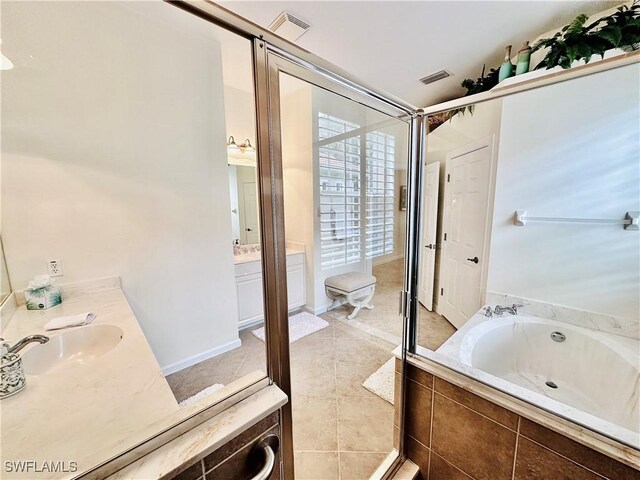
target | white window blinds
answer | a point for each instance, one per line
(340, 196)
(349, 231)
(380, 166)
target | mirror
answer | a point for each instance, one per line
(244, 205)
(530, 261)
(115, 172)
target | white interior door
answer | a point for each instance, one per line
(429, 235)
(250, 223)
(464, 233)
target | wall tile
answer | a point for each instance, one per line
(599, 463)
(418, 412)
(535, 462)
(477, 445)
(419, 454)
(440, 469)
(244, 464)
(240, 441)
(480, 405)
(194, 472)
(418, 375)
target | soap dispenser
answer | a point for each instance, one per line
(506, 69)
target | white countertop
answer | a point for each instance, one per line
(85, 413)
(256, 256)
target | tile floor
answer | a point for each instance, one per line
(341, 430)
(384, 319)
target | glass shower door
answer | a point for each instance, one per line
(344, 177)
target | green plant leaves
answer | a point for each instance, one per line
(576, 41)
(612, 34)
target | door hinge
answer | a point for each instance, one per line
(445, 237)
(448, 177)
(442, 291)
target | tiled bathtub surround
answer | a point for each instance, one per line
(454, 434)
(626, 327)
(517, 354)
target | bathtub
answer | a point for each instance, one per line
(586, 376)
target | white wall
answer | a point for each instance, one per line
(570, 150)
(114, 160)
(297, 166)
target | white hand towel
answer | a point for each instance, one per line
(70, 321)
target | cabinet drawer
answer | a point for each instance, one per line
(248, 268)
(295, 259)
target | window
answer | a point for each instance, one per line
(343, 164)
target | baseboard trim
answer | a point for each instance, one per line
(318, 310)
(207, 354)
(391, 258)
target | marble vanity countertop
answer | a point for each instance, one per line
(84, 413)
(257, 255)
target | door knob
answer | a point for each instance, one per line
(249, 230)
(474, 259)
(431, 245)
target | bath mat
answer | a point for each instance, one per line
(382, 381)
(194, 398)
(300, 325)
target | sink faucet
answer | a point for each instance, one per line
(513, 309)
(20, 344)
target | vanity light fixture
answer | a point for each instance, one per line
(5, 63)
(243, 154)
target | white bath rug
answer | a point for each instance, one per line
(194, 398)
(382, 381)
(300, 325)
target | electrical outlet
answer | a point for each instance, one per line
(54, 268)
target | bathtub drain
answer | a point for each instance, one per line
(551, 384)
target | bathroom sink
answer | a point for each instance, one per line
(79, 346)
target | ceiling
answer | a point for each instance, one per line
(392, 44)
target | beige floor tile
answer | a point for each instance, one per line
(349, 378)
(365, 424)
(356, 350)
(359, 465)
(205, 374)
(312, 349)
(313, 379)
(316, 465)
(315, 423)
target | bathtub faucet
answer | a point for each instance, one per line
(487, 311)
(513, 309)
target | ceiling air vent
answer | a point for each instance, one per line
(288, 26)
(434, 77)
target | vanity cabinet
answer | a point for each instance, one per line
(249, 288)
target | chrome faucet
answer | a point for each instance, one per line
(513, 309)
(20, 344)
(487, 311)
